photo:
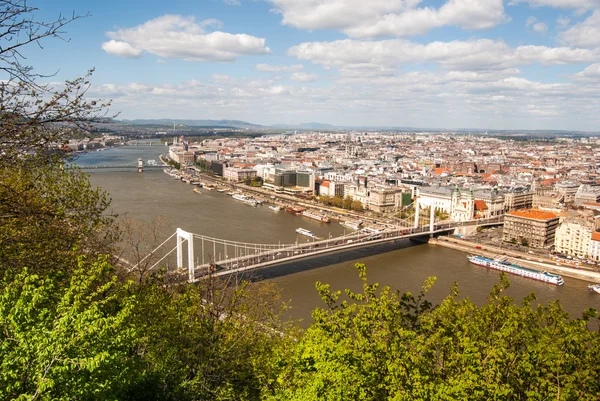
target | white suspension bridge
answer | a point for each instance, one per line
(219, 257)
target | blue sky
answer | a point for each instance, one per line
(520, 64)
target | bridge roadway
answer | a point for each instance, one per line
(308, 249)
(358, 239)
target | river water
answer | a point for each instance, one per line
(404, 265)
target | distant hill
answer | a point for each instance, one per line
(307, 126)
(194, 123)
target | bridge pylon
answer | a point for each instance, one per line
(183, 236)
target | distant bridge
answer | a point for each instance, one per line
(221, 257)
(133, 166)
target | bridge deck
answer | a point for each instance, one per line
(307, 250)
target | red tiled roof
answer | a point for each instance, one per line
(595, 236)
(325, 184)
(480, 205)
(533, 214)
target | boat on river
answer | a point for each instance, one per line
(354, 225)
(315, 216)
(595, 288)
(197, 190)
(275, 208)
(246, 199)
(503, 265)
(306, 233)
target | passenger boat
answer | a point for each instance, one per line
(295, 210)
(595, 288)
(209, 187)
(221, 190)
(275, 208)
(307, 233)
(354, 225)
(315, 216)
(502, 265)
(246, 199)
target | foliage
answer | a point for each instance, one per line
(65, 342)
(524, 242)
(203, 164)
(207, 342)
(382, 345)
(50, 214)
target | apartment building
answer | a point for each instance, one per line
(537, 227)
(573, 237)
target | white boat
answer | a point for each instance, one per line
(502, 265)
(354, 225)
(152, 162)
(315, 216)
(307, 233)
(595, 288)
(275, 208)
(246, 199)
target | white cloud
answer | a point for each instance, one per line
(303, 77)
(121, 49)
(580, 5)
(279, 68)
(538, 27)
(563, 22)
(480, 54)
(232, 2)
(376, 18)
(181, 37)
(591, 73)
(585, 33)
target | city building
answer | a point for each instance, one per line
(534, 227)
(573, 237)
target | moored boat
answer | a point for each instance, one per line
(503, 265)
(354, 225)
(275, 208)
(595, 288)
(315, 216)
(307, 233)
(246, 199)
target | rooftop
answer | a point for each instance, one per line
(533, 214)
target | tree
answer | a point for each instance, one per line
(211, 341)
(357, 206)
(48, 210)
(524, 242)
(337, 201)
(380, 344)
(347, 204)
(66, 342)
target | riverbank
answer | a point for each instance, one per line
(519, 258)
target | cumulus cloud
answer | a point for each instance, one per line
(591, 73)
(585, 33)
(279, 68)
(121, 49)
(303, 77)
(480, 54)
(376, 18)
(181, 37)
(538, 27)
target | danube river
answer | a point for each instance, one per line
(403, 266)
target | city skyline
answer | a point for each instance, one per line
(530, 64)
